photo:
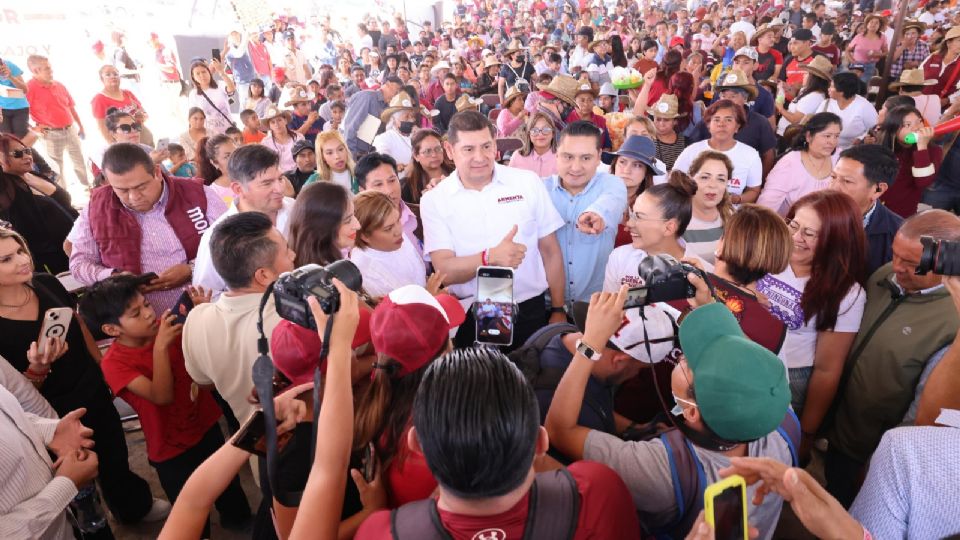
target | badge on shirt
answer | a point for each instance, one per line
(510, 199)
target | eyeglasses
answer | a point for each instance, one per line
(435, 151)
(542, 131)
(677, 410)
(19, 154)
(127, 128)
(806, 232)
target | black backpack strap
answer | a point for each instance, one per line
(689, 481)
(790, 430)
(527, 357)
(554, 507)
(418, 520)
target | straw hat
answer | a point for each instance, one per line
(586, 88)
(491, 61)
(666, 107)
(819, 67)
(272, 112)
(912, 77)
(764, 29)
(512, 47)
(512, 94)
(563, 87)
(594, 43)
(438, 66)
(475, 40)
(400, 102)
(467, 103)
(914, 24)
(883, 21)
(953, 33)
(736, 78)
(298, 95)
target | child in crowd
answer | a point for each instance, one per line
(234, 133)
(144, 366)
(251, 127)
(178, 164)
(337, 111)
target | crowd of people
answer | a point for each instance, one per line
(780, 160)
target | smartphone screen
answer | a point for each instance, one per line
(182, 308)
(728, 514)
(215, 54)
(636, 297)
(494, 305)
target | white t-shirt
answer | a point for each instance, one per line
(747, 167)
(344, 178)
(384, 271)
(467, 222)
(623, 263)
(808, 104)
(784, 291)
(216, 109)
(395, 145)
(857, 118)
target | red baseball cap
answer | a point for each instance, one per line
(295, 349)
(410, 325)
(677, 40)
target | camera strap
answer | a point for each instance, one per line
(263, 373)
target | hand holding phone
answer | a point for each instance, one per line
(494, 307)
(56, 323)
(725, 508)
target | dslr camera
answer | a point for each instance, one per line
(291, 290)
(665, 279)
(939, 256)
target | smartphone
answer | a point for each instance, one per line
(145, 279)
(725, 508)
(56, 322)
(163, 143)
(215, 54)
(369, 461)
(252, 436)
(182, 308)
(494, 305)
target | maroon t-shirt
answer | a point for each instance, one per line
(606, 511)
(170, 429)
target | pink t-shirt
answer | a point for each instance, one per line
(862, 47)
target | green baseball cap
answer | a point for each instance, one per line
(740, 386)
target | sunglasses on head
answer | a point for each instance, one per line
(19, 154)
(127, 128)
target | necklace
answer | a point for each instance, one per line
(815, 169)
(27, 298)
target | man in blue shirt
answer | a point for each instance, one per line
(591, 205)
(13, 102)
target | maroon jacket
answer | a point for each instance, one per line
(918, 170)
(118, 234)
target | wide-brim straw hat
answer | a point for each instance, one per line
(400, 102)
(883, 20)
(595, 42)
(299, 95)
(912, 77)
(467, 103)
(914, 24)
(586, 88)
(491, 61)
(736, 78)
(512, 94)
(953, 33)
(666, 107)
(563, 87)
(272, 112)
(819, 67)
(439, 65)
(513, 47)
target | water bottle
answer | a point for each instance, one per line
(86, 508)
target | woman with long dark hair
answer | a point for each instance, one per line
(323, 228)
(820, 298)
(196, 130)
(206, 94)
(635, 164)
(807, 167)
(213, 153)
(918, 162)
(257, 99)
(669, 66)
(617, 55)
(430, 164)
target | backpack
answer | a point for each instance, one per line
(553, 513)
(527, 357)
(690, 480)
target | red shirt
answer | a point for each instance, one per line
(129, 104)
(50, 104)
(260, 57)
(794, 73)
(170, 429)
(408, 477)
(832, 52)
(253, 138)
(606, 511)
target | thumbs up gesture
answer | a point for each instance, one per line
(508, 252)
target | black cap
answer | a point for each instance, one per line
(300, 146)
(585, 31)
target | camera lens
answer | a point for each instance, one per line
(346, 272)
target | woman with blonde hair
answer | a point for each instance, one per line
(386, 258)
(539, 151)
(334, 162)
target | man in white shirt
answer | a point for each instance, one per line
(485, 214)
(34, 494)
(258, 187)
(580, 54)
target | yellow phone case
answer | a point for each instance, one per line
(715, 489)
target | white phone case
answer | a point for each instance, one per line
(56, 323)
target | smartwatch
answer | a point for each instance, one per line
(587, 351)
(558, 309)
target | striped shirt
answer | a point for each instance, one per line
(702, 237)
(668, 153)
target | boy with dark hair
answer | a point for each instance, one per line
(477, 424)
(337, 111)
(178, 164)
(234, 133)
(251, 127)
(144, 366)
(447, 103)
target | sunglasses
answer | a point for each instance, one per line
(127, 128)
(19, 154)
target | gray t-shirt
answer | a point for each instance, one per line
(645, 469)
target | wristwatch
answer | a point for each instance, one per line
(558, 309)
(587, 351)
